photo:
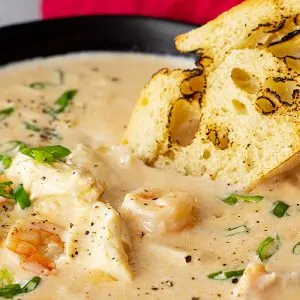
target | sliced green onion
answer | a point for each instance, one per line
(296, 249)
(40, 85)
(237, 230)
(6, 190)
(4, 113)
(5, 162)
(11, 290)
(21, 196)
(11, 147)
(31, 284)
(223, 275)
(32, 127)
(62, 102)
(268, 248)
(231, 200)
(47, 154)
(6, 277)
(280, 209)
(234, 198)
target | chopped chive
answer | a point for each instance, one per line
(237, 230)
(231, 200)
(11, 290)
(47, 154)
(62, 103)
(280, 209)
(18, 194)
(5, 162)
(21, 196)
(40, 85)
(268, 248)
(5, 113)
(32, 127)
(64, 100)
(11, 147)
(6, 190)
(31, 284)
(6, 277)
(234, 198)
(223, 275)
(296, 249)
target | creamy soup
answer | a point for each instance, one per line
(64, 217)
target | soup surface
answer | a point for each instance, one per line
(79, 246)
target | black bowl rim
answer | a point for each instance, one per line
(113, 33)
(90, 16)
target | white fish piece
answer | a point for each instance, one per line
(258, 284)
(97, 242)
(43, 180)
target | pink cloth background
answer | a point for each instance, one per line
(192, 11)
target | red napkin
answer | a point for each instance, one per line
(192, 11)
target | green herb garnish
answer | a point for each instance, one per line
(47, 154)
(31, 284)
(223, 275)
(18, 194)
(62, 103)
(4, 113)
(64, 100)
(21, 196)
(40, 85)
(5, 162)
(32, 127)
(237, 230)
(233, 199)
(11, 290)
(6, 277)
(280, 209)
(6, 190)
(268, 248)
(296, 249)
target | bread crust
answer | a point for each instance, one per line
(238, 140)
(233, 29)
(236, 117)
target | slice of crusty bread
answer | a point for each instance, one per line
(147, 130)
(243, 127)
(248, 25)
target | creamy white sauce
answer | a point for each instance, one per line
(166, 266)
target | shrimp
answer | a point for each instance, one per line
(37, 243)
(159, 210)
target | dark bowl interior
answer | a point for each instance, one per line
(92, 33)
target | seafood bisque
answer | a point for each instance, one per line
(82, 218)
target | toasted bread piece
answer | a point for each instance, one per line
(147, 130)
(243, 127)
(248, 25)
